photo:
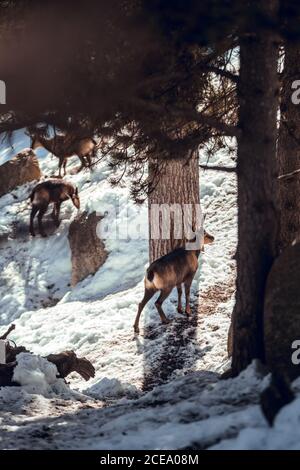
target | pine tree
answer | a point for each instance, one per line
(257, 170)
(289, 149)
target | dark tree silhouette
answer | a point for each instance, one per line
(289, 149)
(257, 187)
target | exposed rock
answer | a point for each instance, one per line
(88, 250)
(21, 169)
(282, 312)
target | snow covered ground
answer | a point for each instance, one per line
(96, 317)
(172, 369)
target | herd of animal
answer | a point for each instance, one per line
(172, 270)
(56, 191)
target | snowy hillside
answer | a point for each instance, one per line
(96, 317)
(178, 365)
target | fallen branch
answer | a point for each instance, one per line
(10, 329)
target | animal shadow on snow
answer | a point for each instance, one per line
(20, 229)
(173, 347)
(67, 429)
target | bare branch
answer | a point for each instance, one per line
(289, 175)
(10, 329)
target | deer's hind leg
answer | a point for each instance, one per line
(187, 288)
(179, 306)
(41, 214)
(149, 293)
(55, 213)
(158, 304)
(60, 165)
(33, 213)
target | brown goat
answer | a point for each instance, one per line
(64, 147)
(54, 191)
(172, 270)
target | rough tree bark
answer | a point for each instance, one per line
(256, 170)
(289, 150)
(177, 184)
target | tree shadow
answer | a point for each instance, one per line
(175, 348)
(15, 251)
(20, 229)
(69, 424)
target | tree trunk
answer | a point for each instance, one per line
(174, 199)
(257, 201)
(289, 150)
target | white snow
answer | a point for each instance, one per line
(186, 406)
(193, 412)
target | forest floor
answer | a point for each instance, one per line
(159, 390)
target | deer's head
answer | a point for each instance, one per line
(208, 239)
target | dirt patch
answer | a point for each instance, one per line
(215, 295)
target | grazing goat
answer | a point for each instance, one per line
(53, 191)
(172, 270)
(64, 147)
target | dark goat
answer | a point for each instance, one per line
(54, 191)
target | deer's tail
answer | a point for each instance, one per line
(150, 274)
(32, 195)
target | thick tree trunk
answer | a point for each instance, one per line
(177, 188)
(289, 150)
(257, 201)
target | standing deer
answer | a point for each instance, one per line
(171, 270)
(53, 191)
(64, 147)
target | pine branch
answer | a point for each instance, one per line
(223, 73)
(227, 129)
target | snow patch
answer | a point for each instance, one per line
(111, 388)
(37, 376)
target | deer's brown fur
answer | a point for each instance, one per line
(53, 191)
(172, 270)
(64, 147)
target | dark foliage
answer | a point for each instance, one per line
(150, 79)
